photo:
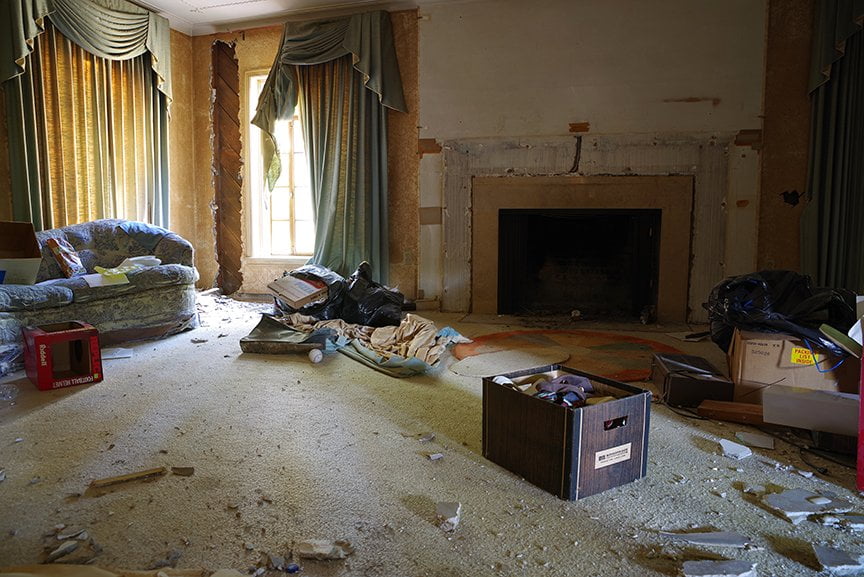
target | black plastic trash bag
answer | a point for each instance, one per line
(370, 303)
(779, 301)
(331, 307)
(357, 299)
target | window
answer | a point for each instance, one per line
(281, 220)
(91, 136)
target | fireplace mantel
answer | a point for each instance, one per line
(673, 195)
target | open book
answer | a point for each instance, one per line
(297, 292)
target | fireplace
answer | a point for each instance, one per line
(660, 205)
(589, 263)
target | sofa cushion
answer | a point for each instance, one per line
(19, 297)
(139, 281)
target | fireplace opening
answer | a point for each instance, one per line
(602, 263)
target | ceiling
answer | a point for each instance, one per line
(197, 17)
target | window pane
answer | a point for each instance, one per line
(280, 209)
(281, 241)
(302, 204)
(301, 170)
(305, 236)
(285, 175)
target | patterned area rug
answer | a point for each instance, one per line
(614, 356)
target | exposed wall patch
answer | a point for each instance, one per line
(751, 137)
(430, 215)
(428, 146)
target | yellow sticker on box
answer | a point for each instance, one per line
(801, 356)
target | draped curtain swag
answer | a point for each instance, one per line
(112, 29)
(832, 248)
(56, 184)
(836, 21)
(343, 73)
(368, 37)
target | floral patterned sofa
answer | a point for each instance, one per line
(157, 302)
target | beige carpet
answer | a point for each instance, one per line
(284, 450)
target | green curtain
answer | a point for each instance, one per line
(832, 246)
(115, 30)
(345, 131)
(24, 161)
(344, 124)
(112, 29)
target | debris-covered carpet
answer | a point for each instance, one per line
(614, 356)
(269, 458)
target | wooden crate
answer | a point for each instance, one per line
(570, 452)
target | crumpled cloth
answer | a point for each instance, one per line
(567, 390)
(415, 337)
(565, 384)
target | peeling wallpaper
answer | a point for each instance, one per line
(403, 162)
(181, 136)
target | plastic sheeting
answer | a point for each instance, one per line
(779, 301)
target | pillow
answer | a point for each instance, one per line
(66, 257)
(147, 235)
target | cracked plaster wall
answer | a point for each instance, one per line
(652, 89)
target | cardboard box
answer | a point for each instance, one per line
(826, 411)
(570, 452)
(62, 355)
(297, 292)
(20, 255)
(687, 380)
(761, 360)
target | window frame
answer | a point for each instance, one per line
(259, 219)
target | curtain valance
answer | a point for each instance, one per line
(836, 21)
(368, 37)
(112, 29)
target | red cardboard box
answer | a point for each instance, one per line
(62, 355)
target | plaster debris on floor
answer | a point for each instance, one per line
(265, 459)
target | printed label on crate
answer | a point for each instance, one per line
(802, 356)
(612, 456)
(83, 380)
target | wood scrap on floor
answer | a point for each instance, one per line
(746, 413)
(137, 476)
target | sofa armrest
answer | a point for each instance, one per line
(174, 249)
